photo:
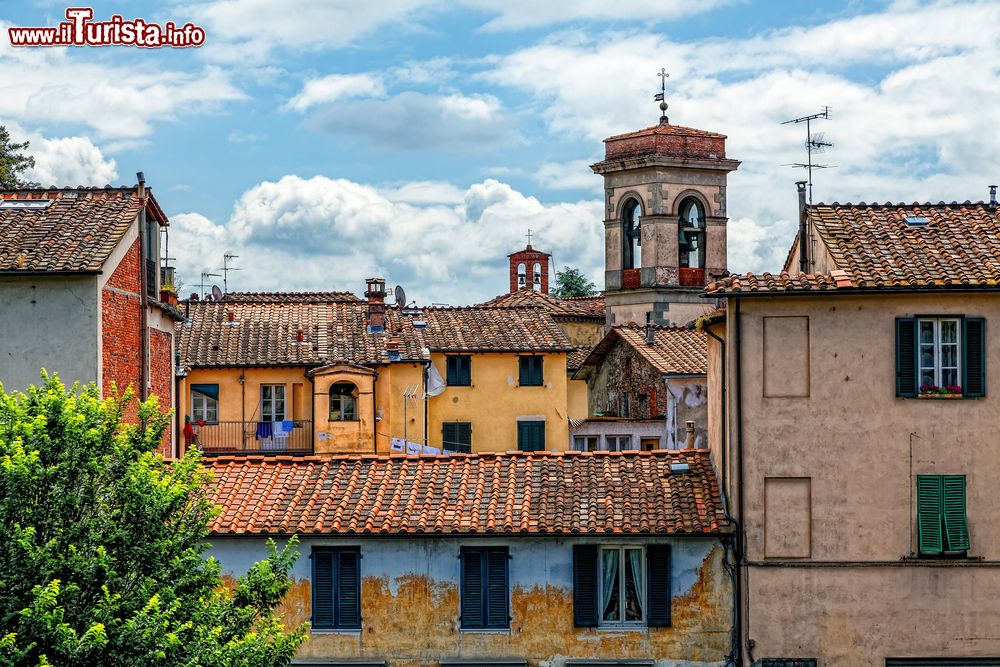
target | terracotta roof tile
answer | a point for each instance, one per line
(76, 232)
(555, 493)
(288, 297)
(675, 350)
(893, 246)
(263, 332)
(577, 307)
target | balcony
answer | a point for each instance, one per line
(687, 277)
(240, 438)
(631, 278)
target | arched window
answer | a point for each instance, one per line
(521, 279)
(536, 277)
(631, 235)
(343, 402)
(691, 234)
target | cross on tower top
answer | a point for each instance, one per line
(661, 96)
(529, 237)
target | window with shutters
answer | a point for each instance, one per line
(940, 356)
(459, 370)
(942, 526)
(336, 588)
(621, 585)
(530, 371)
(531, 436)
(205, 403)
(457, 437)
(485, 589)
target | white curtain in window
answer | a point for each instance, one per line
(609, 570)
(635, 565)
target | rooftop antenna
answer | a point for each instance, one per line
(203, 284)
(814, 144)
(226, 259)
(661, 96)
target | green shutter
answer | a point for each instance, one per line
(497, 612)
(974, 357)
(585, 573)
(349, 588)
(930, 503)
(322, 587)
(531, 436)
(658, 574)
(956, 526)
(906, 357)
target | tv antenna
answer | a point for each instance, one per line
(814, 144)
(226, 260)
(661, 96)
(204, 284)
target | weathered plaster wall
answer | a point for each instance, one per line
(582, 334)
(577, 398)
(48, 322)
(410, 604)
(496, 401)
(349, 436)
(850, 437)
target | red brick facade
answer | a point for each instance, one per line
(529, 257)
(121, 340)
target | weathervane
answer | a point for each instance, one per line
(662, 95)
(814, 144)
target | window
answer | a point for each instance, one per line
(531, 436)
(649, 444)
(618, 443)
(941, 355)
(336, 588)
(205, 402)
(459, 370)
(536, 277)
(691, 234)
(272, 402)
(530, 371)
(631, 235)
(621, 585)
(585, 443)
(457, 436)
(941, 521)
(343, 402)
(521, 280)
(484, 595)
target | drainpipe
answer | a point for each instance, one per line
(741, 535)
(143, 287)
(312, 411)
(803, 232)
(427, 367)
(375, 413)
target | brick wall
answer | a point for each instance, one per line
(161, 378)
(121, 343)
(529, 258)
(672, 145)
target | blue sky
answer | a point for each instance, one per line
(324, 142)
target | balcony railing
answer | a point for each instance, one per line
(262, 437)
(688, 277)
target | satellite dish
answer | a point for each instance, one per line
(400, 296)
(216, 293)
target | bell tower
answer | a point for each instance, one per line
(664, 220)
(529, 269)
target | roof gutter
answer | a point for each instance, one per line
(50, 272)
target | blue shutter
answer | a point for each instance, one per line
(349, 589)
(658, 575)
(906, 357)
(322, 588)
(497, 614)
(974, 357)
(471, 604)
(585, 585)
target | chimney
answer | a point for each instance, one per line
(376, 304)
(993, 197)
(298, 335)
(650, 332)
(141, 179)
(803, 236)
(689, 440)
(230, 316)
(392, 348)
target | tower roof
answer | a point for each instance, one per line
(668, 141)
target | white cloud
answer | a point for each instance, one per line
(923, 129)
(322, 233)
(518, 14)
(121, 102)
(65, 161)
(572, 175)
(334, 87)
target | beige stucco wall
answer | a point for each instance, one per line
(836, 444)
(582, 333)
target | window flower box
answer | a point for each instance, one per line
(934, 391)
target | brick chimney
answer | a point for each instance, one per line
(375, 293)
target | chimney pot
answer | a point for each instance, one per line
(230, 316)
(376, 304)
(803, 234)
(993, 197)
(650, 332)
(298, 335)
(689, 440)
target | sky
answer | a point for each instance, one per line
(418, 140)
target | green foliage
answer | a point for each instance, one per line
(102, 560)
(13, 162)
(571, 282)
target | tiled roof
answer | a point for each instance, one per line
(76, 232)
(555, 493)
(578, 307)
(575, 359)
(873, 247)
(263, 333)
(667, 129)
(675, 350)
(288, 297)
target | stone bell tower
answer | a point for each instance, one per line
(664, 220)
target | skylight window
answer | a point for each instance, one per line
(25, 204)
(916, 221)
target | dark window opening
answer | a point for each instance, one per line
(485, 588)
(691, 235)
(343, 402)
(459, 370)
(631, 235)
(457, 437)
(336, 588)
(531, 436)
(530, 371)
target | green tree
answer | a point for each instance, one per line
(571, 282)
(102, 555)
(13, 163)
